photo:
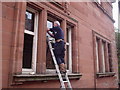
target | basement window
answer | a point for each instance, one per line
(30, 41)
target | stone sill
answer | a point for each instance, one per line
(107, 74)
(19, 79)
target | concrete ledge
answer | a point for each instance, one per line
(107, 74)
(19, 79)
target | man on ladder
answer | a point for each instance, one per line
(58, 53)
(59, 49)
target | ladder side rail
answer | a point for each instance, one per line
(55, 62)
(69, 84)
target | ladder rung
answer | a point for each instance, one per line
(65, 81)
(52, 48)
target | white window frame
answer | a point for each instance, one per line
(35, 38)
(69, 43)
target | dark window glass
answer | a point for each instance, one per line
(29, 21)
(27, 51)
(110, 57)
(67, 49)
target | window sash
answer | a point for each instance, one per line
(69, 45)
(29, 32)
(34, 34)
(70, 50)
(50, 25)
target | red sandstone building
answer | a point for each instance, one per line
(90, 56)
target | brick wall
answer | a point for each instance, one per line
(7, 31)
(86, 16)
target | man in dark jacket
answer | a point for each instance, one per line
(59, 49)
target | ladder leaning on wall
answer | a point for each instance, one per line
(63, 78)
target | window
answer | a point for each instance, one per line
(68, 37)
(50, 68)
(30, 41)
(103, 55)
(69, 48)
(49, 61)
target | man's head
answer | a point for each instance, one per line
(56, 23)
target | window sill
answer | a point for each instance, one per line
(107, 74)
(19, 79)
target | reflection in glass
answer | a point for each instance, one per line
(29, 21)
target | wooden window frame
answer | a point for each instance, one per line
(35, 38)
(69, 45)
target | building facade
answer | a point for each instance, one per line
(90, 55)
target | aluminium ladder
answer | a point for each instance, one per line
(62, 80)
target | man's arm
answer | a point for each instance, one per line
(50, 33)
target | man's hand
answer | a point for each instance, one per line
(48, 29)
(49, 32)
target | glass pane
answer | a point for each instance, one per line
(110, 57)
(29, 21)
(27, 51)
(67, 49)
(49, 60)
(49, 25)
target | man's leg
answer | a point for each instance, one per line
(59, 54)
(62, 65)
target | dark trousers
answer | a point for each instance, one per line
(59, 51)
